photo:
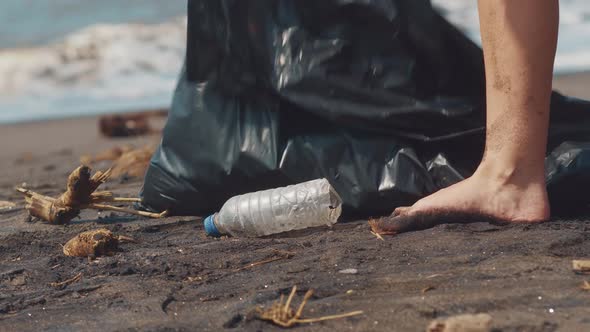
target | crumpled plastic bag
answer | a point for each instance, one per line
(361, 92)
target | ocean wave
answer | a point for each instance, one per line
(119, 67)
(102, 68)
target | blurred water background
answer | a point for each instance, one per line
(61, 58)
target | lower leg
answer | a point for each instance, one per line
(519, 40)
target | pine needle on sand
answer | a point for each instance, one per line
(74, 279)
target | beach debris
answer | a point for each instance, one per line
(581, 266)
(24, 158)
(278, 256)
(426, 289)
(462, 323)
(6, 206)
(585, 285)
(283, 315)
(111, 154)
(19, 280)
(126, 125)
(66, 282)
(80, 194)
(11, 272)
(233, 322)
(378, 230)
(98, 242)
(349, 271)
(127, 160)
(209, 298)
(377, 235)
(134, 163)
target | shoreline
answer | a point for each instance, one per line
(571, 84)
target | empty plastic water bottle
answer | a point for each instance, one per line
(308, 204)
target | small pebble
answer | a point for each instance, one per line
(349, 271)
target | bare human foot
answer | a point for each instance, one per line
(507, 196)
(510, 197)
(509, 184)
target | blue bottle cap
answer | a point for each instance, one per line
(210, 227)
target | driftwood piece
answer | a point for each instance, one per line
(80, 194)
(81, 186)
(45, 207)
(79, 191)
(132, 124)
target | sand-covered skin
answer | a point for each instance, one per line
(176, 278)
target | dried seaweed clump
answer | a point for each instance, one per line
(80, 194)
(127, 160)
(107, 155)
(94, 243)
(283, 315)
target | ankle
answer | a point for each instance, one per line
(502, 174)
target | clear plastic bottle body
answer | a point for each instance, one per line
(309, 204)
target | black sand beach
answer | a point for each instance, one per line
(177, 279)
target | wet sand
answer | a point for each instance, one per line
(177, 279)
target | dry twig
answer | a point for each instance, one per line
(282, 255)
(581, 266)
(378, 236)
(75, 278)
(585, 286)
(426, 289)
(283, 315)
(377, 230)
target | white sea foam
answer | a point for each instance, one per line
(102, 68)
(118, 67)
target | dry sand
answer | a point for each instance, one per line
(177, 279)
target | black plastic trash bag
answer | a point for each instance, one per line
(567, 171)
(363, 93)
